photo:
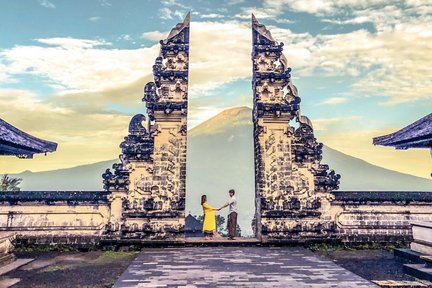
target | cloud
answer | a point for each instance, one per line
(321, 7)
(212, 15)
(70, 43)
(165, 13)
(174, 3)
(334, 101)
(105, 3)
(126, 37)
(229, 59)
(82, 137)
(393, 64)
(327, 124)
(47, 4)
(80, 65)
(4, 77)
(155, 35)
(235, 2)
(94, 18)
(26, 102)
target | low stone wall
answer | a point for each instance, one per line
(55, 217)
(379, 216)
(85, 217)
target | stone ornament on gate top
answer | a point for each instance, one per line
(152, 173)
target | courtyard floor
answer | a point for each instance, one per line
(234, 267)
(249, 266)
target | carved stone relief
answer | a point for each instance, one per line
(153, 162)
(292, 185)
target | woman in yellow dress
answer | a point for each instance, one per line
(209, 225)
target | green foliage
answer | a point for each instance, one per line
(8, 183)
(221, 227)
(324, 247)
(238, 230)
(21, 248)
(111, 255)
(54, 268)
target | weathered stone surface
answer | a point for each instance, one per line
(292, 186)
(378, 217)
(148, 186)
(236, 267)
(55, 217)
(422, 235)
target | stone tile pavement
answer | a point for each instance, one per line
(236, 267)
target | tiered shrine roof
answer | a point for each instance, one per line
(16, 142)
(415, 135)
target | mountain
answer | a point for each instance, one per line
(220, 157)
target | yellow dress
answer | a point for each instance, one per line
(209, 218)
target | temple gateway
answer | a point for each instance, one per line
(144, 197)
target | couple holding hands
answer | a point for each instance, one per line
(209, 225)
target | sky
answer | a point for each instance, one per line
(73, 71)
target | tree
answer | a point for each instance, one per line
(221, 227)
(238, 230)
(8, 183)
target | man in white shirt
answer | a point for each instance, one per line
(232, 215)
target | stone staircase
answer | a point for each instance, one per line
(6, 247)
(420, 266)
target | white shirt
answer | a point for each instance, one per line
(232, 205)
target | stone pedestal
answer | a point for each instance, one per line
(422, 234)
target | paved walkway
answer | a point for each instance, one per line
(235, 267)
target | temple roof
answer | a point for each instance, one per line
(192, 224)
(415, 135)
(16, 142)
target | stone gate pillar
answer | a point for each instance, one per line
(152, 171)
(292, 187)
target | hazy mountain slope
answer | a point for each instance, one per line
(84, 177)
(358, 174)
(220, 157)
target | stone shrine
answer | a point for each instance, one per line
(149, 183)
(292, 186)
(144, 198)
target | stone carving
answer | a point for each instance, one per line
(291, 184)
(153, 168)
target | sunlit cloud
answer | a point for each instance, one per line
(335, 101)
(94, 18)
(47, 4)
(80, 65)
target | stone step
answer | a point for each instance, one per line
(408, 254)
(14, 265)
(427, 260)
(419, 271)
(6, 258)
(400, 284)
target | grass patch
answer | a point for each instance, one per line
(114, 255)
(45, 248)
(323, 247)
(54, 268)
